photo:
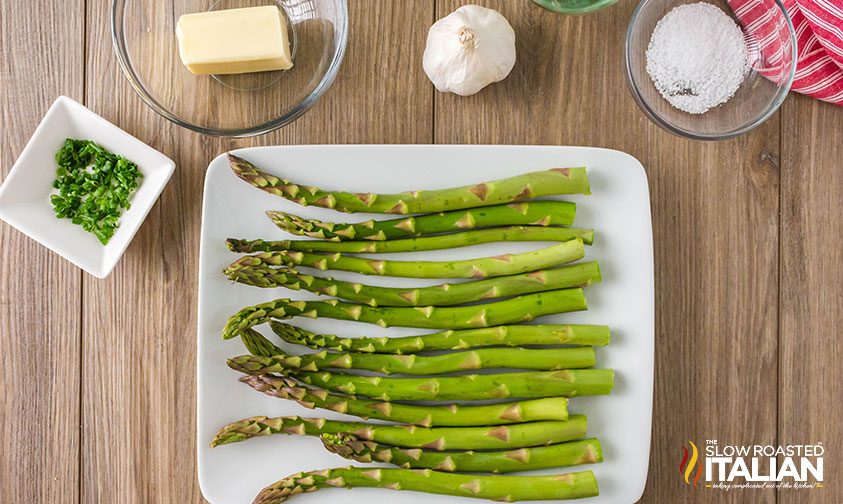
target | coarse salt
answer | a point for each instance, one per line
(697, 57)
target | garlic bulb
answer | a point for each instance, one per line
(469, 49)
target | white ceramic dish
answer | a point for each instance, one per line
(25, 193)
(619, 210)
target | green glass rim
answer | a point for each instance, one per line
(558, 6)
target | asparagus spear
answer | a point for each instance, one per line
(411, 436)
(507, 264)
(437, 242)
(565, 383)
(257, 344)
(513, 189)
(499, 488)
(454, 415)
(531, 213)
(586, 451)
(546, 359)
(517, 309)
(575, 275)
(511, 336)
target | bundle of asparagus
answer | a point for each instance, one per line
(527, 427)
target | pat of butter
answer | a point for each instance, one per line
(234, 41)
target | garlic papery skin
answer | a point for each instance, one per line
(469, 49)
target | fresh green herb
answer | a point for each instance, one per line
(94, 186)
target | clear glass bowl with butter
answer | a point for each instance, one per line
(233, 105)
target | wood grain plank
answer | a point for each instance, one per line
(715, 217)
(715, 224)
(811, 302)
(381, 94)
(139, 326)
(39, 291)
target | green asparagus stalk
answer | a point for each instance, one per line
(497, 437)
(510, 336)
(586, 451)
(575, 275)
(257, 344)
(532, 384)
(508, 190)
(546, 359)
(576, 485)
(517, 309)
(452, 415)
(437, 242)
(531, 213)
(507, 264)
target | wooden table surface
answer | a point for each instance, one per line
(97, 383)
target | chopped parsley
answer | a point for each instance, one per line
(94, 186)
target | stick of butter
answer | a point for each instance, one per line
(234, 41)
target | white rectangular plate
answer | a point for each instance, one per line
(618, 209)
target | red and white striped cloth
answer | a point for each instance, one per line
(819, 43)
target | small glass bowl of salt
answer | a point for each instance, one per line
(710, 70)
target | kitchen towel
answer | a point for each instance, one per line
(819, 43)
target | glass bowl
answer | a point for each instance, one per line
(574, 6)
(144, 35)
(762, 91)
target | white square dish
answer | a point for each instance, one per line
(618, 210)
(25, 193)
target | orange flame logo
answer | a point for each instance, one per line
(686, 467)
